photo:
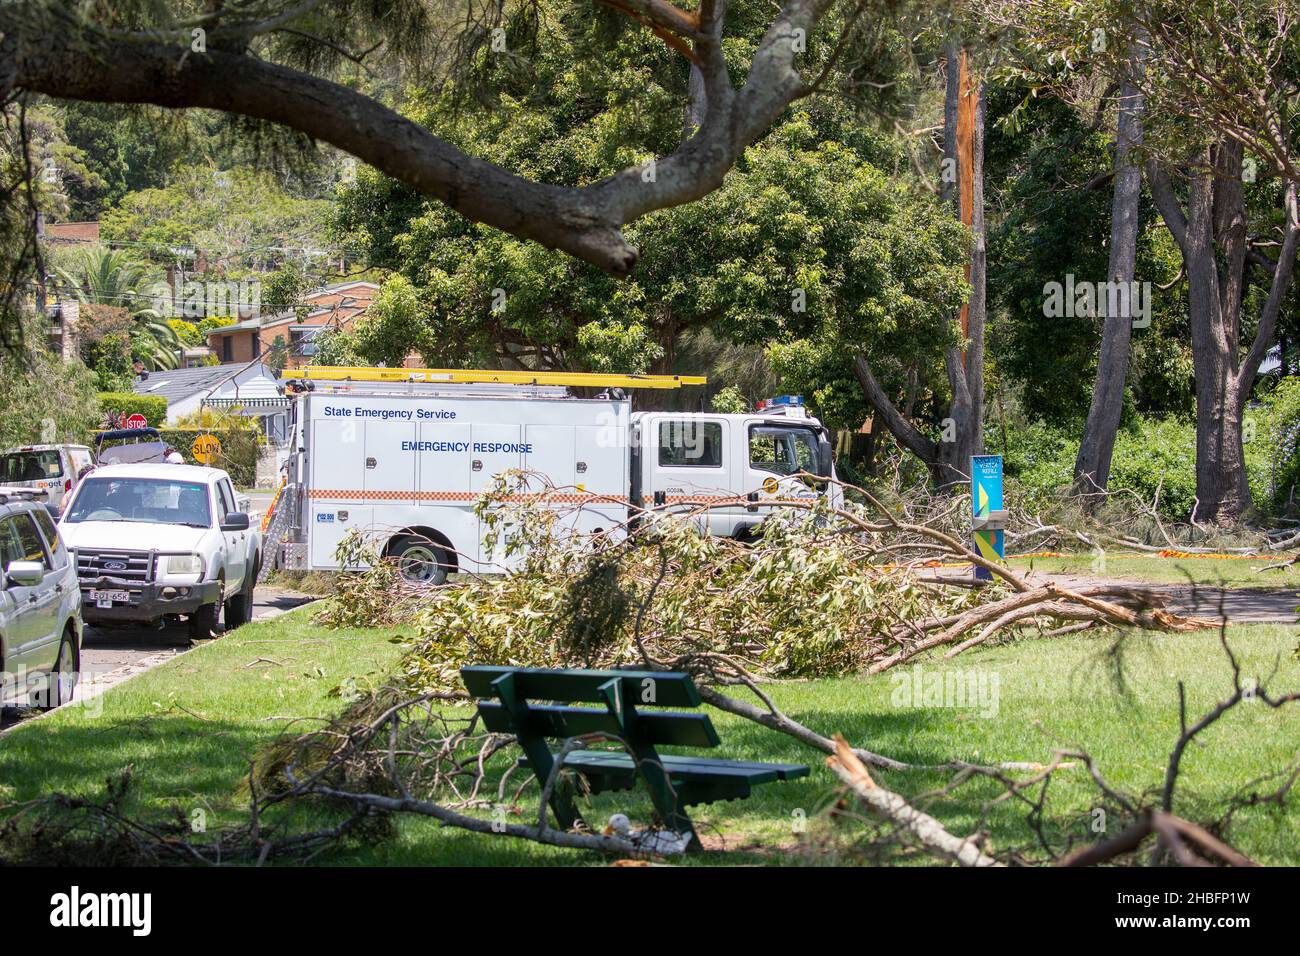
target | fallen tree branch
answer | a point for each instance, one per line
(929, 831)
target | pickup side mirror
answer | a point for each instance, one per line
(25, 574)
(825, 457)
(235, 521)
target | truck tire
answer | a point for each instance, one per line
(420, 561)
(203, 622)
(239, 609)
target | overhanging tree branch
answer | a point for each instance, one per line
(585, 221)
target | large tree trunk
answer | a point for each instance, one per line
(1215, 245)
(948, 460)
(1092, 466)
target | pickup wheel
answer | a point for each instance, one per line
(203, 622)
(420, 561)
(239, 609)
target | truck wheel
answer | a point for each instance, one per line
(420, 561)
(239, 609)
(203, 622)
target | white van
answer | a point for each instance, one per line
(53, 469)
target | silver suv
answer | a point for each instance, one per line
(40, 604)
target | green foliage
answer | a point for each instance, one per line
(62, 169)
(152, 407)
(187, 332)
(337, 347)
(284, 288)
(808, 208)
(1052, 227)
(46, 399)
(113, 278)
(1274, 428)
(686, 598)
(729, 401)
(397, 322)
(194, 210)
(1152, 456)
(209, 324)
(124, 149)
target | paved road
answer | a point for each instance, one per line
(112, 655)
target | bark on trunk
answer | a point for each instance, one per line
(948, 461)
(1092, 466)
(1215, 245)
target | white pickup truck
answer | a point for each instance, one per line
(156, 541)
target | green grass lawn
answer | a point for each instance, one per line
(189, 726)
(1235, 573)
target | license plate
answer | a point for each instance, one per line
(106, 598)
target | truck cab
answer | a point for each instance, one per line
(683, 461)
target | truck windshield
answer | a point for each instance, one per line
(29, 466)
(783, 450)
(155, 500)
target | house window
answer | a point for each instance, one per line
(257, 345)
(227, 349)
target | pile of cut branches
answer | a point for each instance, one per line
(821, 591)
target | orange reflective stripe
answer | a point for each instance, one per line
(356, 494)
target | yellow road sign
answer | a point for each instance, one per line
(342, 373)
(206, 448)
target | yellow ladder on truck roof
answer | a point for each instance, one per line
(342, 373)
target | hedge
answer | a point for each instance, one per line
(240, 448)
(152, 407)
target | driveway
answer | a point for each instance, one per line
(112, 655)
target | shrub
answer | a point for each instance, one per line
(1151, 454)
(239, 450)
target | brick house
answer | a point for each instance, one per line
(333, 307)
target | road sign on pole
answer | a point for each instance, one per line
(206, 449)
(136, 421)
(988, 517)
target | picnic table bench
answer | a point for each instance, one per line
(536, 705)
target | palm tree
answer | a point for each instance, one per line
(112, 277)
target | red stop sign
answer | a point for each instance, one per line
(137, 421)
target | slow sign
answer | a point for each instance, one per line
(206, 449)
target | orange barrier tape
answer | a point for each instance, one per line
(1217, 557)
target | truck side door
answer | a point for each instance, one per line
(684, 467)
(773, 451)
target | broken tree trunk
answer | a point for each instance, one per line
(925, 828)
(962, 434)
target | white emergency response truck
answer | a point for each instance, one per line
(403, 455)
